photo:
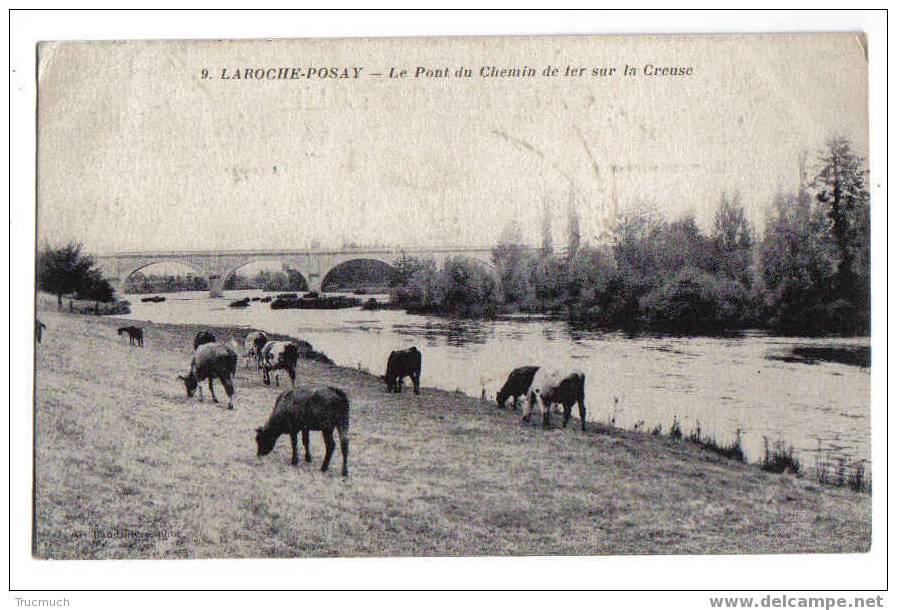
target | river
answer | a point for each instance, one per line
(721, 384)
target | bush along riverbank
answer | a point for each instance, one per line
(440, 474)
(115, 307)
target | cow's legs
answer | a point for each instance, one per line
(528, 407)
(228, 384)
(581, 403)
(546, 413)
(199, 389)
(266, 376)
(343, 432)
(568, 410)
(305, 443)
(212, 390)
(294, 459)
(292, 374)
(415, 379)
(277, 379)
(514, 405)
(329, 444)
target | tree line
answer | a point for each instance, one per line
(806, 272)
(272, 281)
(151, 283)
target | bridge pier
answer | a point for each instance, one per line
(117, 285)
(315, 282)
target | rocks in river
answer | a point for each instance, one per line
(313, 300)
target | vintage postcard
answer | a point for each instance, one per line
(551, 295)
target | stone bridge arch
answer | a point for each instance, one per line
(339, 261)
(296, 264)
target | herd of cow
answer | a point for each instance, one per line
(325, 409)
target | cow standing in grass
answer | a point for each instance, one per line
(557, 387)
(212, 361)
(401, 364)
(135, 334)
(279, 356)
(304, 409)
(518, 384)
(39, 328)
(203, 337)
(254, 343)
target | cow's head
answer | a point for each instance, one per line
(264, 441)
(190, 383)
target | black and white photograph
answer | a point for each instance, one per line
(442, 296)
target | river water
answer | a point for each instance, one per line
(721, 384)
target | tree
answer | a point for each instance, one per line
(573, 231)
(733, 240)
(797, 266)
(547, 239)
(841, 189)
(66, 270)
(512, 261)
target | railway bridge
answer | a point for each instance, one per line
(217, 266)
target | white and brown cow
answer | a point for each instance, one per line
(553, 386)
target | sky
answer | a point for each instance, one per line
(137, 152)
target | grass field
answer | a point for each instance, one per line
(128, 467)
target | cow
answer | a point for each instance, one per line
(557, 387)
(518, 384)
(203, 337)
(401, 364)
(211, 361)
(303, 409)
(254, 343)
(135, 334)
(39, 328)
(277, 356)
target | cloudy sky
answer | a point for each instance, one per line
(138, 152)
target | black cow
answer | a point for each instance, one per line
(203, 337)
(135, 334)
(518, 384)
(303, 409)
(401, 364)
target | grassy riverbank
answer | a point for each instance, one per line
(127, 467)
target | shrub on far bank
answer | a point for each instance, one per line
(459, 286)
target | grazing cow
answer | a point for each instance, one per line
(303, 409)
(254, 343)
(203, 337)
(135, 334)
(518, 384)
(39, 328)
(279, 356)
(401, 364)
(556, 387)
(210, 361)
